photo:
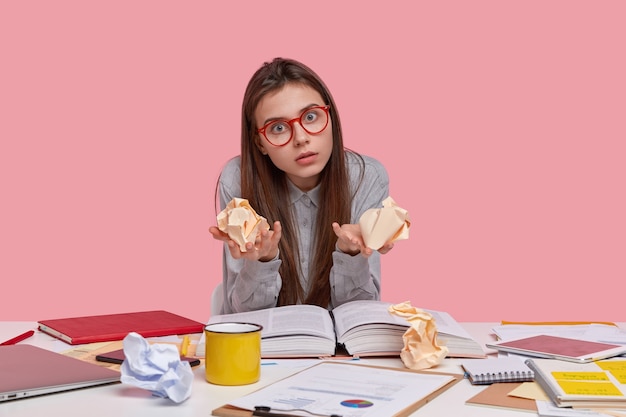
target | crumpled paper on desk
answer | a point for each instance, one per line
(157, 368)
(420, 349)
(383, 225)
(241, 222)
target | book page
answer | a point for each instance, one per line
(357, 313)
(286, 320)
(448, 325)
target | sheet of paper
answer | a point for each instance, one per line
(346, 390)
(530, 390)
(547, 409)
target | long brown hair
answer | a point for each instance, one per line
(265, 186)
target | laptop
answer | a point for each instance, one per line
(27, 371)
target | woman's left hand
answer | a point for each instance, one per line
(350, 240)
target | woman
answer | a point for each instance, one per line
(294, 171)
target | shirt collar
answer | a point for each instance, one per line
(296, 194)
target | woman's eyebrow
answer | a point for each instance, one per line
(308, 106)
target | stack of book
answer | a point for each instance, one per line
(600, 384)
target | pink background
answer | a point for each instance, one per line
(501, 124)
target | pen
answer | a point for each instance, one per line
(184, 346)
(264, 411)
(19, 338)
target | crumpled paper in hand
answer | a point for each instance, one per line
(383, 225)
(420, 349)
(157, 368)
(241, 222)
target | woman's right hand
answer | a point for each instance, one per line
(264, 249)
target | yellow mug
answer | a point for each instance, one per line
(233, 353)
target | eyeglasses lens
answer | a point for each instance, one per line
(312, 120)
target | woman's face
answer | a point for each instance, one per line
(306, 155)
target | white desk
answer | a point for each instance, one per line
(120, 400)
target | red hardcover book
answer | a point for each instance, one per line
(111, 327)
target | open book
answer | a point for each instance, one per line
(357, 328)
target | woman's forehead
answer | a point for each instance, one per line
(288, 101)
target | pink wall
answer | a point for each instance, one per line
(502, 125)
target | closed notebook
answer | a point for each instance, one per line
(488, 371)
(111, 327)
(562, 348)
(497, 395)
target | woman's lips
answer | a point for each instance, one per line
(306, 158)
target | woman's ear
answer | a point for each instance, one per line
(259, 145)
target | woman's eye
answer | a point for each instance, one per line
(310, 116)
(278, 128)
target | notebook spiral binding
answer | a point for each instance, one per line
(516, 376)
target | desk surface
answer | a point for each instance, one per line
(120, 400)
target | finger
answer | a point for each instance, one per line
(215, 232)
(219, 235)
(263, 236)
(234, 250)
(278, 231)
(386, 248)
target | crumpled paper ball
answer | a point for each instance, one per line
(157, 368)
(383, 225)
(420, 350)
(241, 222)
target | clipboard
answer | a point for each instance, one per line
(229, 410)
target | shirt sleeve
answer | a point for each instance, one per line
(355, 277)
(250, 285)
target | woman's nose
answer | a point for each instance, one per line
(300, 135)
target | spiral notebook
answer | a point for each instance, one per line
(503, 369)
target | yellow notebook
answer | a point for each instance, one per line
(600, 384)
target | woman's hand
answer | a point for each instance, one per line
(265, 247)
(350, 240)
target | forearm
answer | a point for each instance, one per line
(251, 285)
(354, 278)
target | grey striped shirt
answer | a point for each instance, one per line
(254, 285)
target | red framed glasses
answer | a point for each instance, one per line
(280, 132)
